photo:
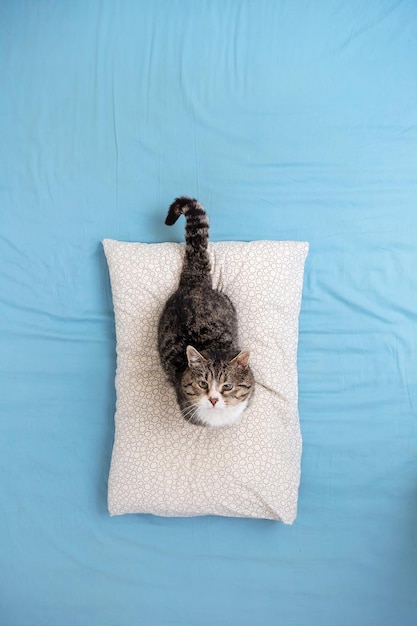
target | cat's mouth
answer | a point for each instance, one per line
(214, 407)
(213, 414)
(218, 416)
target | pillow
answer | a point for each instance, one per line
(160, 463)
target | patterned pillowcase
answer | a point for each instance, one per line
(160, 463)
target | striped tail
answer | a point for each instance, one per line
(196, 268)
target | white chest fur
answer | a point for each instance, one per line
(217, 417)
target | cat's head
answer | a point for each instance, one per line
(214, 391)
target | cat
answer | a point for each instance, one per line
(198, 334)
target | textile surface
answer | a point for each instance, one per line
(160, 463)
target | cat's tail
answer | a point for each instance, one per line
(196, 267)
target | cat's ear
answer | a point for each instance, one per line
(242, 359)
(194, 357)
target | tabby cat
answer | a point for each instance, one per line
(198, 334)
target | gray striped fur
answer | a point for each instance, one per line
(202, 317)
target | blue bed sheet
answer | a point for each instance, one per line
(288, 120)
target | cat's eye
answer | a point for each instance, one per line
(227, 387)
(203, 384)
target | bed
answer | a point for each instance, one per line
(290, 121)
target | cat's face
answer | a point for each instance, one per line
(215, 393)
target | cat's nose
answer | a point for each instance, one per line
(213, 400)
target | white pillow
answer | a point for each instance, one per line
(163, 465)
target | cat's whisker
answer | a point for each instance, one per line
(190, 412)
(194, 405)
